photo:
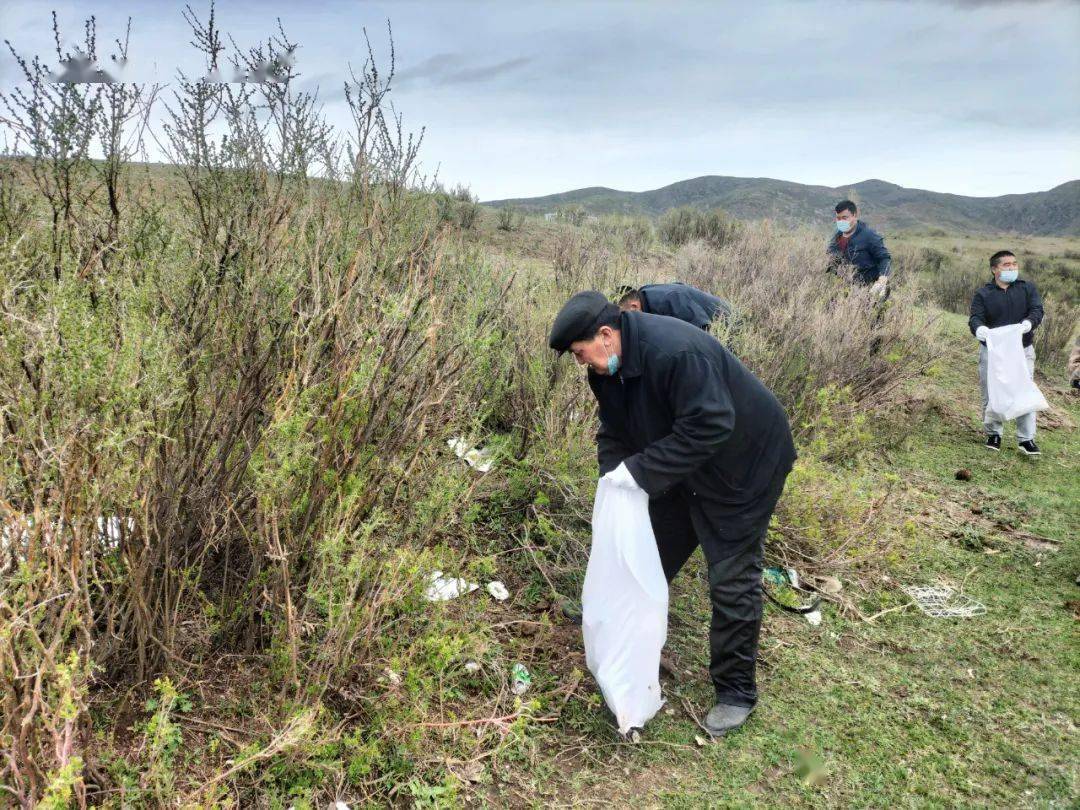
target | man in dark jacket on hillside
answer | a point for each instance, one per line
(856, 243)
(682, 419)
(676, 300)
(1005, 300)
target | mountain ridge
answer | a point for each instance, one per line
(1054, 212)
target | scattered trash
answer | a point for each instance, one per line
(392, 677)
(943, 602)
(828, 585)
(472, 666)
(109, 529)
(782, 588)
(443, 589)
(520, 679)
(813, 617)
(498, 590)
(963, 475)
(340, 806)
(701, 741)
(470, 771)
(479, 460)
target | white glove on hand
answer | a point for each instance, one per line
(879, 286)
(1027, 326)
(982, 332)
(621, 477)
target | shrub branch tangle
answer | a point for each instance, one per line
(193, 459)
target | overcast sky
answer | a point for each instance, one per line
(977, 97)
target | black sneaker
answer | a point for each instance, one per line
(1029, 448)
(993, 442)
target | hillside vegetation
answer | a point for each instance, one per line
(885, 205)
(229, 406)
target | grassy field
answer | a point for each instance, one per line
(228, 397)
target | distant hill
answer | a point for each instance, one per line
(886, 205)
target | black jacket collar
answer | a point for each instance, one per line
(630, 366)
(992, 285)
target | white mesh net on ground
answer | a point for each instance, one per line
(943, 602)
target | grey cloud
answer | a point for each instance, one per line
(450, 68)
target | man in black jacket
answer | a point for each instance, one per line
(1006, 300)
(676, 300)
(856, 243)
(684, 420)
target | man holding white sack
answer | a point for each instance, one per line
(1006, 300)
(682, 419)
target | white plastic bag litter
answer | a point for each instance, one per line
(443, 589)
(1011, 390)
(624, 605)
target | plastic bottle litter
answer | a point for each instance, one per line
(442, 589)
(520, 679)
(498, 591)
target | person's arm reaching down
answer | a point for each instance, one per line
(611, 451)
(1034, 313)
(881, 256)
(977, 319)
(704, 417)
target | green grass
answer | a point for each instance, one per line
(908, 711)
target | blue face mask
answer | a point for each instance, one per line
(1008, 276)
(843, 225)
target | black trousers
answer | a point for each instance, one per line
(734, 590)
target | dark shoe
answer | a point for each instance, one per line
(1029, 448)
(993, 442)
(571, 611)
(722, 718)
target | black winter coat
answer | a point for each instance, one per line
(683, 411)
(992, 306)
(866, 250)
(683, 302)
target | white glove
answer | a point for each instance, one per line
(1027, 326)
(982, 332)
(879, 286)
(621, 477)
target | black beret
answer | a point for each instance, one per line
(578, 317)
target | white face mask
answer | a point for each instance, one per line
(1008, 276)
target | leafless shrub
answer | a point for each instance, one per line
(800, 328)
(1054, 337)
(509, 218)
